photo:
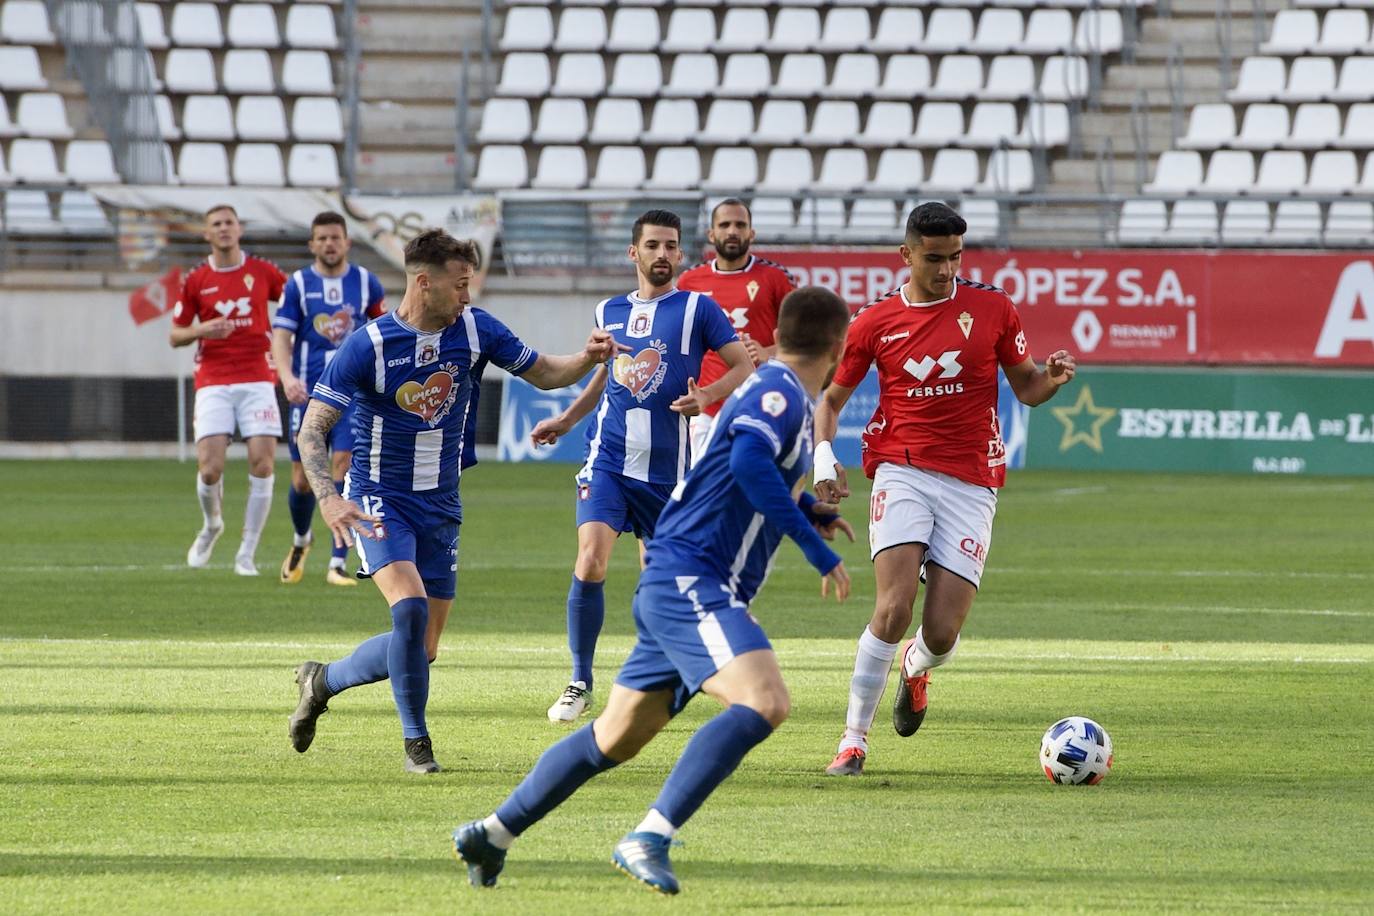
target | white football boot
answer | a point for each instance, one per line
(575, 700)
(199, 554)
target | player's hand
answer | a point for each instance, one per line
(833, 523)
(840, 577)
(832, 491)
(216, 329)
(547, 432)
(755, 350)
(344, 517)
(1060, 367)
(601, 346)
(294, 389)
(691, 403)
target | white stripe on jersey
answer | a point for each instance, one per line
(429, 448)
(689, 317)
(474, 345)
(305, 358)
(364, 300)
(742, 557)
(594, 448)
(374, 455)
(639, 443)
(793, 455)
(754, 423)
(601, 313)
(684, 433)
(378, 359)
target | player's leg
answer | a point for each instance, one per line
(259, 421)
(300, 500)
(337, 574)
(407, 664)
(214, 424)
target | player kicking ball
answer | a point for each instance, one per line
(711, 551)
(934, 450)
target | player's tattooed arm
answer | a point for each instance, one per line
(314, 433)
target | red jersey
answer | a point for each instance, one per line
(750, 297)
(937, 377)
(240, 294)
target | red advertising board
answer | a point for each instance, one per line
(1152, 306)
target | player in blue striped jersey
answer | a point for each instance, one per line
(411, 378)
(321, 305)
(639, 441)
(711, 553)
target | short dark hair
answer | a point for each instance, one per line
(328, 218)
(732, 202)
(216, 207)
(435, 248)
(665, 218)
(811, 320)
(933, 218)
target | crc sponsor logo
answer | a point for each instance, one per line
(974, 550)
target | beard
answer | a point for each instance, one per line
(732, 249)
(660, 274)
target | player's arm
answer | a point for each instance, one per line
(831, 483)
(550, 372)
(738, 367)
(1034, 385)
(752, 463)
(184, 331)
(547, 432)
(342, 515)
(282, 342)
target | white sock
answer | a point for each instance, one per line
(301, 540)
(210, 495)
(919, 657)
(497, 833)
(337, 563)
(255, 515)
(871, 666)
(656, 823)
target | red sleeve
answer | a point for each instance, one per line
(788, 283)
(377, 309)
(278, 281)
(1012, 349)
(185, 310)
(858, 353)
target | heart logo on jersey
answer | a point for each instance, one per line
(335, 327)
(428, 400)
(635, 372)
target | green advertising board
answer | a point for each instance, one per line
(1231, 420)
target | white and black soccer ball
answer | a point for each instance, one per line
(1076, 751)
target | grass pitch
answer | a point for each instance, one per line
(1220, 628)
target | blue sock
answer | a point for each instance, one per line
(560, 772)
(339, 552)
(302, 506)
(367, 665)
(712, 755)
(586, 614)
(407, 665)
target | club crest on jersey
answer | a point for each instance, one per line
(426, 353)
(432, 399)
(774, 403)
(752, 288)
(643, 372)
(333, 294)
(248, 282)
(965, 323)
(335, 327)
(641, 324)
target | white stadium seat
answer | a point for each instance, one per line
(675, 168)
(728, 121)
(311, 25)
(1098, 31)
(781, 122)
(247, 71)
(307, 73)
(1010, 77)
(991, 125)
(833, 123)
(774, 216)
(503, 121)
(1193, 221)
(1141, 221)
(313, 165)
(822, 217)
(733, 169)
(1315, 125)
(1294, 32)
(898, 170)
(616, 121)
(79, 211)
(19, 69)
(632, 29)
(843, 170)
(207, 117)
(1229, 172)
(151, 26)
(260, 117)
(746, 76)
(854, 76)
(694, 76)
(561, 121)
(637, 76)
(673, 122)
(1297, 222)
(743, 30)
(1245, 222)
(795, 29)
(580, 74)
(561, 167)
(1310, 79)
(1046, 124)
(888, 124)
(897, 30)
(1343, 32)
(528, 28)
(90, 162)
(620, 167)
(189, 70)
(1211, 125)
(1009, 170)
(939, 124)
(999, 31)
(197, 25)
(953, 170)
(1176, 172)
(983, 218)
(252, 25)
(689, 30)
(1332, 172)
(581, 30)
(1264, 126)
(788, 171)
(30, 211)
(1357, 75)
(25, 22)
(959, 76)
(499, 167)
(1350, 222)
(845, 30)
(317, 119)
(1281, 172)
(166, 121)
(259, 164)
(203, 164)
(1048, 31)
(34, 161)
(906, 76)
(1064, 79)
(1262, 79)
(1359, 127)
(869, 216)
(525, 75)
(947, 30)
(800, 76)
(43, 114)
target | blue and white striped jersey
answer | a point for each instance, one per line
(322, 311)
(634, 433)
(414, 395)
(709, 526)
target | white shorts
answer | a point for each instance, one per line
(698, 428)
(952, 518)
(252, 406)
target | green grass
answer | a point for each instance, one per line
(1220, 628)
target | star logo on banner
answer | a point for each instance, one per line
(1083, 422)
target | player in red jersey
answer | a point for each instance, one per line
(935, 453)
(748, 288)
(223, 308)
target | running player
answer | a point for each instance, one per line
(637, 446)
(410, 377)
(223, 310)
(322, 305)
(713, 548)
(748, 288)
(934, 450)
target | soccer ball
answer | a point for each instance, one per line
(1076, 751)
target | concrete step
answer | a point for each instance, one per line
(418, 78)
(1158, 99)
(1182, 9)
(1082, 175)
(409, 125)
(390, 170)
(441, 31)
(1141, 76)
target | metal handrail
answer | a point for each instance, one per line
(352, 61)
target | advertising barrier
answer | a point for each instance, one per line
(1151, 306)
(1284, 422)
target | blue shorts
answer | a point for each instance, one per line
(411, 531)
(622, 502)
(688, 628)
(340, 437)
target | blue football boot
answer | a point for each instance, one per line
(483, 859)
(644, 857)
